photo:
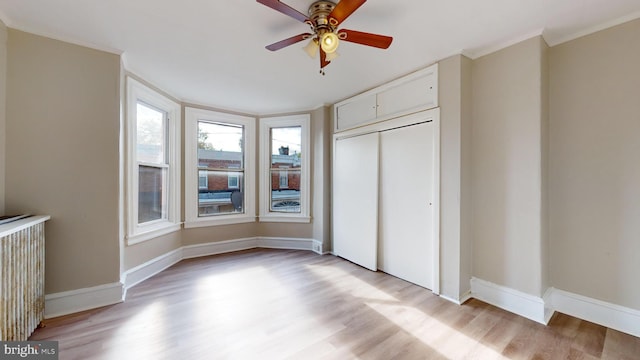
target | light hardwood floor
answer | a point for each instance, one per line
(284, 304)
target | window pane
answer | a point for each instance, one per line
(151, 135)
(285, 198)
(151, 194)
(285, 147)
(224, 193)
(220, 146)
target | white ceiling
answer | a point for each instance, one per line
(211, 52)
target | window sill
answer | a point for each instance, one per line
(159, 230)
(285, 218)
(219, 220)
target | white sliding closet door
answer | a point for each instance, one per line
(406, 203)
(355, 199)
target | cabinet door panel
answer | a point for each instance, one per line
(418, 93)
(353, 113)
(406, 203)
(355, 199)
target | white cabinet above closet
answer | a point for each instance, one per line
(415, 92)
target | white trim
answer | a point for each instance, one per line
(219, 247)
(137, 91)
(464, 298)
(192, 116)
(388, 124)
(285, 243)
(490, 49)
(553, 41)
(316, 247)
(69, 302)
(515, 301)
(435, 280)
(138, 274)
(166, 228)
(74, 301)
(282, 217)
(24, 223)
(220, 220)
(600, 312)
(266, 124)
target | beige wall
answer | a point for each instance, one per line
(594, 165)
(454, 76)
(506, 167)
(140, 253)
(544, 167)
(62, 145)
(3, 104)
(321, 130)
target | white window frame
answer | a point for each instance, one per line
(284, 174)
(236, 177)
(136, 233)
(266, 124)
(206, 182)
(192, 117)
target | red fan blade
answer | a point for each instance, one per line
(285, 9)
(344, 9)
(363, 38)
(323, 59)
(286, 42)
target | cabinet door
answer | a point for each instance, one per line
(360, 110)
(410, 96)
(355, 199)
(406, 203)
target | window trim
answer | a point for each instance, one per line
(137, 233)
(192, 116)
(266, 124)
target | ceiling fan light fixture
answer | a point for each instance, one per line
(332, 56)
(312, 48)
(329, 42)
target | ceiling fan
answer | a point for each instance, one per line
(324, 19)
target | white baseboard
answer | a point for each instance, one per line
(220, 247)
(613, 316)
(286, 243)
(144, 271)
(463, 298)
(517, 302)
(69, 302)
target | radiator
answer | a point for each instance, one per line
(22, 282)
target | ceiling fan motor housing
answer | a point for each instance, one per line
(319, 17)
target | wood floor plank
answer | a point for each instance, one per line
(286, 304)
